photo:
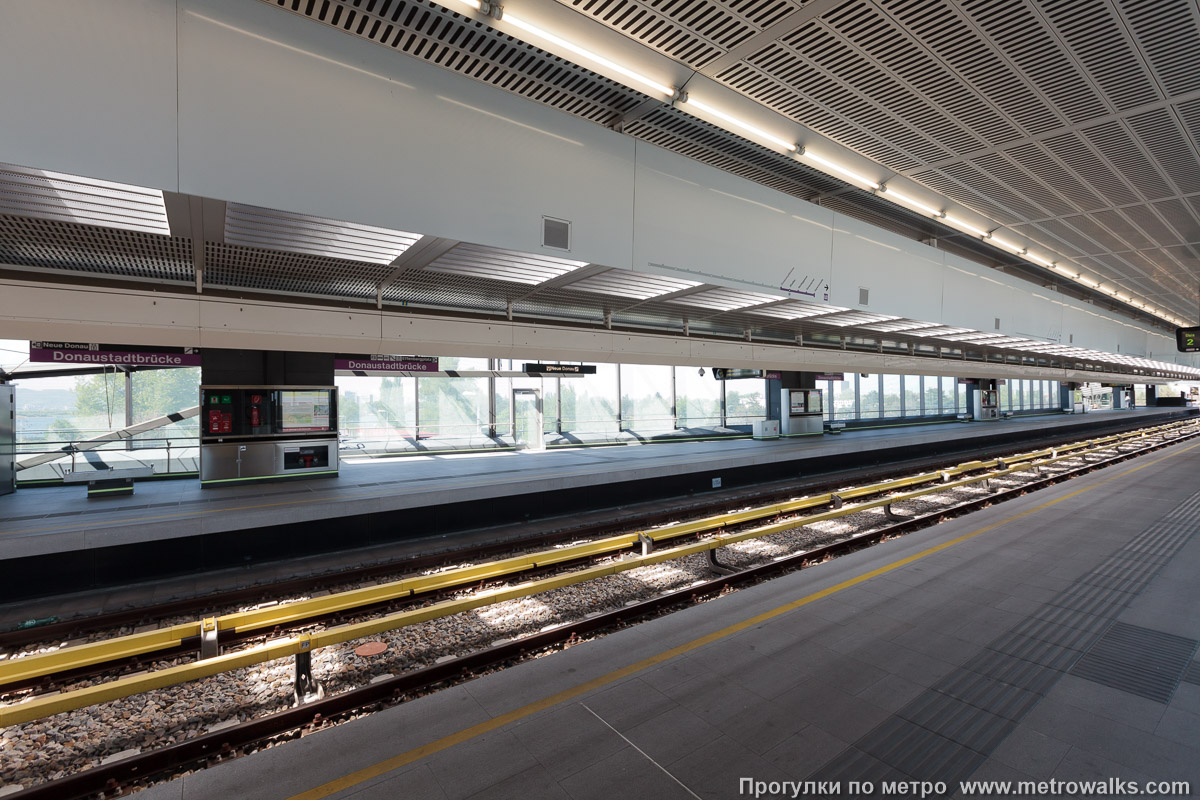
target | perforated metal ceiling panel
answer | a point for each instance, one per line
(297, 233)
(494, 264)
(635, 285)
(725, 299)
(242, 267)
(1075, 121)
(56, 196)
(112, 252)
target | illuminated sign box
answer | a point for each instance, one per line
(1187, 340)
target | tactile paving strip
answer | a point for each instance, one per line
(1138, 660)
(1193, 673)
(951, 728)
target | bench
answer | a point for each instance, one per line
(964, 417)
(111, 482)
(837, 427)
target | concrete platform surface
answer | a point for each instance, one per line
(1051, 637)
(61, 520)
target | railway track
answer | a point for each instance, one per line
(568, 567)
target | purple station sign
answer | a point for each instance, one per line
(386, 363)
(124, 355)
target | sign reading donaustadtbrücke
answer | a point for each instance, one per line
(123, 355)
(378, 363)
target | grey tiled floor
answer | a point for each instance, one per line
(832, 687)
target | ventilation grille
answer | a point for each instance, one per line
(864, 295)
(556, 233)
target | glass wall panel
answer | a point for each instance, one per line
(949, 395)
(1036, 400)
(58, 411)
(891, 396)
(745, 401)
(503, 388)
(454, 406)
(159, 392)
(961, 401)
(932, 396)
(589, 404)
(698, 398)
(1139, 394)
(376, 408)
(826, 388)
(844, 395)
(912, 395)
(646, 398)
(1005, 389)
(868, 396)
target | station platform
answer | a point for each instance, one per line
(1051, 637)
(58, 531)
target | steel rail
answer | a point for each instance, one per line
(48, 705)
(116, 649)
(229, 742)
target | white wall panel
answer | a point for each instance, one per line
(280, 112)
(89, 88)
(705, 225)
(902, 277)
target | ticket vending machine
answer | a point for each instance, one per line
(250, 433)
(986, 402)
(801, 411)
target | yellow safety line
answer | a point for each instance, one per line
(436, 746)
(99, 652)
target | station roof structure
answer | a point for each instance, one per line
(1052, 140)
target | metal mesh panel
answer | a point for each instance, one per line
(272, 270)
(54, 245)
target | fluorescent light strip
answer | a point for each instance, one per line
(1007, 245)
(595, 58)
(737, 123)
(890, 194)
(669, 92)
(854, 176)
(958, 223)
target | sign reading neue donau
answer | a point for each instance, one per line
(127, 355)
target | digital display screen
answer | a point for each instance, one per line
(1187, 340)
(303, 410)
